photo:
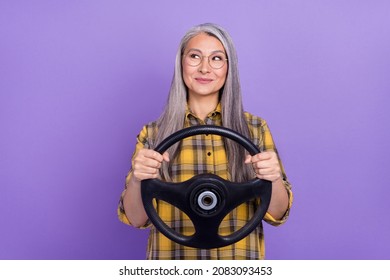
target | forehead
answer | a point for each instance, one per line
(205, 43)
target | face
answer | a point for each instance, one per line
(204, 80)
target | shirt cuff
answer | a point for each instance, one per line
(268, 218)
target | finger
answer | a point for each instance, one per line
(261, 156)
(152, 155)
(269, 168)
(264, 164)
(166, 156)
(266, 161)
(270, 173)
(144, 175)
(149, 158)
(147, 167)
(266, 155)
(142, 161)
(248, 159)
(264, 171)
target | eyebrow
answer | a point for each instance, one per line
(216, 51)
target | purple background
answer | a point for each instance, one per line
(78, 79)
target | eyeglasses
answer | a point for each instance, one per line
(216, 60)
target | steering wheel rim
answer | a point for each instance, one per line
(188, 196)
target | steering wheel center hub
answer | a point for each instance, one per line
(208, 198)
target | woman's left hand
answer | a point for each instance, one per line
(266, 165)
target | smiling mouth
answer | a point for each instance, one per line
(203, 80)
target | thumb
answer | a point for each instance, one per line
(166, 156)
(248, 159)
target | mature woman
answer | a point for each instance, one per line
(205, 90)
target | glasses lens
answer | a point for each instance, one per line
(193, 58)
(217, 60)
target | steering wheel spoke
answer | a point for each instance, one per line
(243, 192)
(173, 193)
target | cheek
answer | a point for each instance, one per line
(186, 75)
(222, 77)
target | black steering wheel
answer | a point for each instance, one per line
(206, 198)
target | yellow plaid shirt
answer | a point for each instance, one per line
(206, 154)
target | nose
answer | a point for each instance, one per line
(204, 66)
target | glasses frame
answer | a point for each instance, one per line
(202, 57)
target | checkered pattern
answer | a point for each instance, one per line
(200, 154)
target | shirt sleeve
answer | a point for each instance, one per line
(267, 143)
(142, 142)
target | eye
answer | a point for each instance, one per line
(194, 55)
(218, 57)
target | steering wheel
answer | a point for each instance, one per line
(206, 198)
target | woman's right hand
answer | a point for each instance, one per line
(147, 163)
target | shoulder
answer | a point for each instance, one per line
(254, 122)
(150, 127)
(148, 132)
(258, 128)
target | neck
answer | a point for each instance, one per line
(202, 106)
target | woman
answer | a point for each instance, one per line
(205, 90)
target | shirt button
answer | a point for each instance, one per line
(209, 153)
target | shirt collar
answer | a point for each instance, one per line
(213, 113)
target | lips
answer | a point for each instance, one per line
(203, 80)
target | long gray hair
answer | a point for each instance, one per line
(172, 118)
